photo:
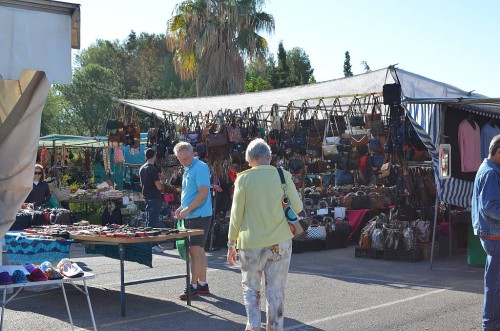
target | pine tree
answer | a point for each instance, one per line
(366, 67)
(347, 65)
(172, 92)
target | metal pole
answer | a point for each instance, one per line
(121, 249)
(436, 207)
(67, 306)
(3, 307)
(188, 272)
(90, 305)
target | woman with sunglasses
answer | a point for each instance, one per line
(40, 193)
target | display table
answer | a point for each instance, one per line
(21, 249)
(122, 242)
(20, 286)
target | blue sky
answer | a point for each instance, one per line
(453, 41)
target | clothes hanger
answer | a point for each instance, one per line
(470, 119)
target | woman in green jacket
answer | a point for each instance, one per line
(259, 230)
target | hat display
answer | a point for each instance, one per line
(37, 275)
(45, 265)
(18, 276)
(5, 278)
(30, 267)
(72, 270)
(52, 274)
(62, 263)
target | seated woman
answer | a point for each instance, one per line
(40, 193)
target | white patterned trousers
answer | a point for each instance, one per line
(272, 263)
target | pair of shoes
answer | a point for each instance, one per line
(203, 289)
(158, 249)
(193, 292)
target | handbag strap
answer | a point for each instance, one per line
(282, 179)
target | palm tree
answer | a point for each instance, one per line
(211, 38)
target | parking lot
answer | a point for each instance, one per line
(327, 290)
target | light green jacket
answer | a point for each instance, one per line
(257, 217)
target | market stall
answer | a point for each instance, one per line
(347, 141)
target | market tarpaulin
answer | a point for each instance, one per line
(21, 104)
(36, 38)
(368, 83)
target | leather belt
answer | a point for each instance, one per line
(491, 237)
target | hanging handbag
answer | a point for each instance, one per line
(296, 224)
(329, 145)
(374, 144)
(219, 138)
(343, 177)
(374, 120)
(118, 155)
(234, 130)
(385, 170)
(377, 160)
(356, 116)
(171, 161)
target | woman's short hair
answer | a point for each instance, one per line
(182, 147)
(494, 145)
(40, 167)
(257, 149)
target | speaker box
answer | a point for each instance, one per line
(392, 94)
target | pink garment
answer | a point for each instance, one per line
(469, 142)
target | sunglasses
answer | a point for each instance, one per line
(37, 173)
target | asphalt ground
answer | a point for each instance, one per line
(326, 290)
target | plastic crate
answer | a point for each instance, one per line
(413, 255)
(369, 253)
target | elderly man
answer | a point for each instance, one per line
(196, 209)
(486, 224)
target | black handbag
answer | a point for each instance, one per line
(356, 116)
(361, 201)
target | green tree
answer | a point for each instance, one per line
(366, 67)
(210, 38)
(300, 66)
(347, 65)
(89, 96)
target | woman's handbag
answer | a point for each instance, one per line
(218, 139)
(340, 213)
(377, 200)
(296, 224)
(343, 177)
(356, 116)
(361, 201)
(316, 231)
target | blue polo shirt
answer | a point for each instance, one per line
(197, 175)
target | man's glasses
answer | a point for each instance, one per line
(37, 173)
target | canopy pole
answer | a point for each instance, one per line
(442, 109)
(436, 209)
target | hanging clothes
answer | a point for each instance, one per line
(469, 142)
(488, 131)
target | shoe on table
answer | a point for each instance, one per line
(193, 292)
(203, 289)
